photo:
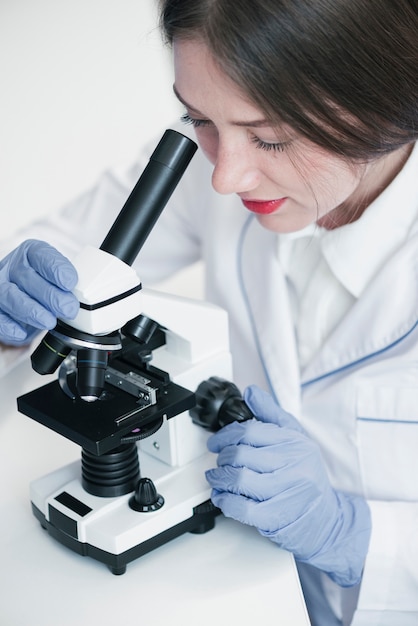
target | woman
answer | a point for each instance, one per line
(307, 111)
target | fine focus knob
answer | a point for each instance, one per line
(218, 403)
(146, 498)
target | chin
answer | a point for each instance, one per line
(283, 224)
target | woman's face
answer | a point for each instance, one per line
(286, 180)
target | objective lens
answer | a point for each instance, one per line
(140, 329)
(49, 354)
(91, 368)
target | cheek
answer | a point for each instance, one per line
(328, 180)
(340, 185)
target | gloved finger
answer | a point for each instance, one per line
(234, 506)
(266, 409)
(31, 333)
(245, 482)
(11, 332)
(292, 491)
(247, 511)
(271, 515)
(251, 432)
(285, 455)
(50, 264)
(18, 306)
(14, 337)
(36, 301)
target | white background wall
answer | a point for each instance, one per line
(83, 84)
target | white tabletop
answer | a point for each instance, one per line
(230, 575)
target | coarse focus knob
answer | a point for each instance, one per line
(146, 498)
(218, 403)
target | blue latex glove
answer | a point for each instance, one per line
(271, 475)
(35, 289)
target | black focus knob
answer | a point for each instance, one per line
(219, 402)
(146, 498)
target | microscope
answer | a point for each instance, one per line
(129, 392)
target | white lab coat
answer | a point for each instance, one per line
(358, 397)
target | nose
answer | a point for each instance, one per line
(234, 171)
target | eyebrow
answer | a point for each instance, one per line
(253, 123)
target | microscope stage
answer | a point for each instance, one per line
(100, 426)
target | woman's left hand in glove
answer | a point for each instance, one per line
(271, 475)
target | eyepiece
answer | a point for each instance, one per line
(148, 198)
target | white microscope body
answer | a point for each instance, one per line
(175, 457)
(109, 506)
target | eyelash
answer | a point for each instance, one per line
(259, 143)
(268, 147)
(186, 119)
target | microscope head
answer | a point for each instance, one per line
(108, 288)
(109, 292)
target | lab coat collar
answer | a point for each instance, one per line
(385, 314)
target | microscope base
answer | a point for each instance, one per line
(202, 521)
(107, 529)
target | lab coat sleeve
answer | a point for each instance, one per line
(83, 221)
(392, 561)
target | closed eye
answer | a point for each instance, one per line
(265, 145)
(259, 143)
(196, 122)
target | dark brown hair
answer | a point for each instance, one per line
(343, 73)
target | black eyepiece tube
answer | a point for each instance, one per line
(148, 198)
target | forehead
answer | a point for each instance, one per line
(193, 60)
(201, 84)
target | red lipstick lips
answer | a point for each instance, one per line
(263, 207)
